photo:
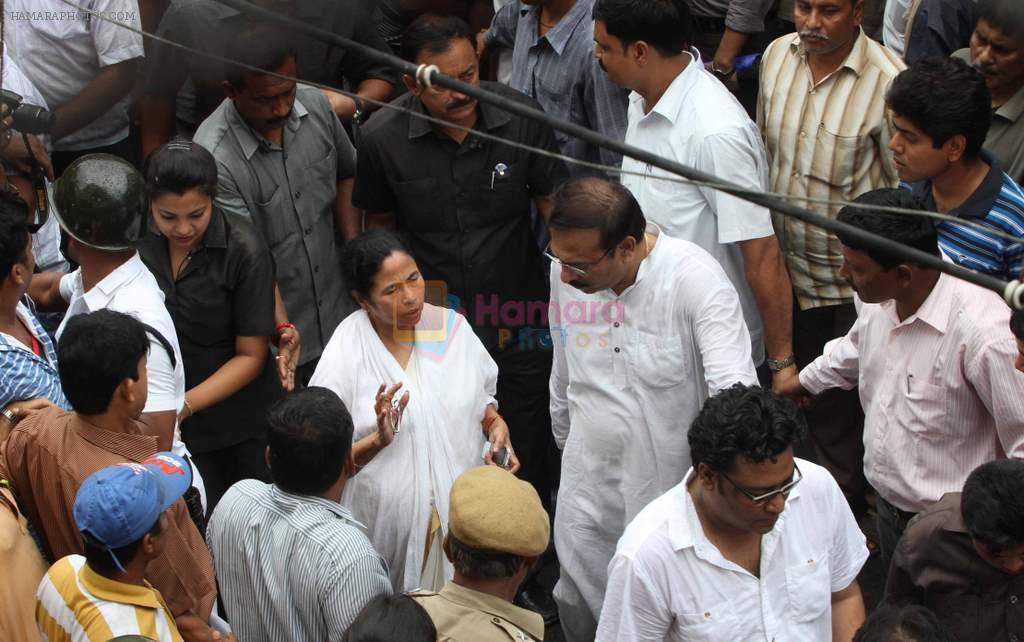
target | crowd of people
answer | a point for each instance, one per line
(296, 347)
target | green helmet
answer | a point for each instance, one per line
(100, 201)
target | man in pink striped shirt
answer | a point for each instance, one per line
(934, 360)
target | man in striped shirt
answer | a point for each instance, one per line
(941, 112)
(291, 561)
(120, 512)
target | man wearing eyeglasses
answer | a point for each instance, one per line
(644, 328)
(754, 544)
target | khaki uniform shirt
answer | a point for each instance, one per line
(464, 615)
(23, 568)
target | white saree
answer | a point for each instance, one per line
(451, 379)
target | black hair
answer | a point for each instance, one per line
(1017, 324)
(665, 25)
(473, 562)
(362, 257)
(262, 45)
(433, 33)
(98, 557)
(992, 503)
(595, 203)
(743, 421)
(310, 436)
(96, 352)
(944, 97)
(14, 233)
(178, 167)
(387, 618)
(1005, 15)
(911, 623)
(912, 230)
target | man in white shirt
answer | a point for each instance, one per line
(755, 544)
(644, 327)
(933, 358)
(113, 277)
(680, 111)
(83, 66)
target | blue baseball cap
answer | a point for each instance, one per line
(117, 505)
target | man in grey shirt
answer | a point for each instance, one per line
(552, 44)
(285, 162)
(291, 561)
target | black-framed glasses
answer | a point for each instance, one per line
(578, 268)
(783, 490)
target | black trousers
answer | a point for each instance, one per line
(222, 468)
(524, 403)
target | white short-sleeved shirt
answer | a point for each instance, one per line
(668, 582)
(61, 50)
(697, 122)
(133, 290)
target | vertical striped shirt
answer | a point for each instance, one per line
(24, 374)
(291, 567)
(998, 203)
(825, 140)
(939, 390)
(76, 604)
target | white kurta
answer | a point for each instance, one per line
(630, 373)
(451, 379)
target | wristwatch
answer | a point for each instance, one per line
(721, 74)
(9, 415)
(781, 364)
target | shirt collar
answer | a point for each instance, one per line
(671, 102)
(334, 508)
(955, 519)
(217, 231)
(98, 297)
(529, 621)
(855, 61)
(562, 33)
(248, 139)
(1013, 108)
(132, 446)
(979, 204)
(488, 117)
(936, 308)
(647, 264)
(120, 592)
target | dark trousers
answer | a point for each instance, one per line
(222, 468)
(891, 524)
(834, 418)
(524, 404)
(304, 373)
(127, 149)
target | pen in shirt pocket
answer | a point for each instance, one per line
(500, 171)
(910, 378)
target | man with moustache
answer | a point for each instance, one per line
(822, 115)
(285, 163)
(997, 51)
(941, 114)
(648, 326)
(464, 203)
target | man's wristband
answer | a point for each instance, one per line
(284, 326)
(722, 74)
(776, 365)
(9, 415)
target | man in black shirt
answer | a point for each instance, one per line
(464, 202)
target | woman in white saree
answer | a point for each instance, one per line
(420, 387)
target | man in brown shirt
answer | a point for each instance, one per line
(963, 558)
(102, 357)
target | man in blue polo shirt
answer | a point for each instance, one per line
(941, 111)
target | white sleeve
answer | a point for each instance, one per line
(558, 383)
(839, 363)
(67, 285)
(742, 161)
(849, 548)
(163, 391)
(723, 340)
(634, 609)
(113, 42)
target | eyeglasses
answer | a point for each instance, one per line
(783, 490)
(579, 268)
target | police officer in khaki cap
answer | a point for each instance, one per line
(497, 529)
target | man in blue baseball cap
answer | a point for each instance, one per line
(120, 512)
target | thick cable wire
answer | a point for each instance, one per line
(1012, 291)
(423, 78)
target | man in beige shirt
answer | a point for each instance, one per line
(822, 115)
(497, 530)
(23, 568)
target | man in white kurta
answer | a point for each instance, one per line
(631, 370)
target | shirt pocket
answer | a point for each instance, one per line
(418, 196)
(717, 622)
(659, 361)
(808, 589)
(277, 217)
(833, 158)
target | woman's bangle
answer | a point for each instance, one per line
(284, 325)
